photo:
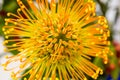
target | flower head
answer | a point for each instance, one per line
(57, 39)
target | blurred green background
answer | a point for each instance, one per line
(108, 8)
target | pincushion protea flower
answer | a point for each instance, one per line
(57, 39)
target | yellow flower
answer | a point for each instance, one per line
(57, 39)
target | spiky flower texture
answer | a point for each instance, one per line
(56, 39)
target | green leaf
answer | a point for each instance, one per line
(1, 25)
(99, 62)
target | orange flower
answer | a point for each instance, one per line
(57, 39)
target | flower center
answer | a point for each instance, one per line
(63, 37)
